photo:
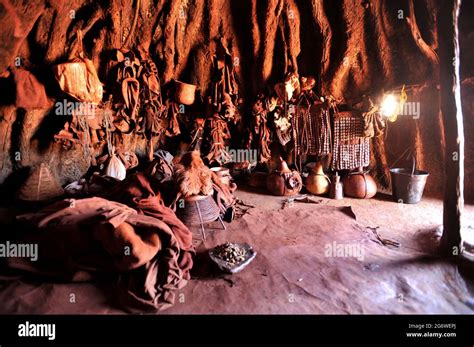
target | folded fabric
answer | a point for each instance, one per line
(136, 191)
(96, 234)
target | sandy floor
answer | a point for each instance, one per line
(312, 259)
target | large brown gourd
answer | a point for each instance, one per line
(359, 184)
(283, 181)
(317, 182)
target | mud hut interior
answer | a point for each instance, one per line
(217, 156)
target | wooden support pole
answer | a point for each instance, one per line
(450, 99)
(427, 50)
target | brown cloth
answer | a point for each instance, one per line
(136, 191)
(30, 93)
(373, 123)
(95, 234)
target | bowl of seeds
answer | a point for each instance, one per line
(232, 257)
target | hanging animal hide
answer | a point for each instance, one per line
(219, 136)
(192, 176)
(30, 93)
(126, 95)
(151, 116)
(197, 133)
(224, 93)
(222, 106)
(373, 123)
(260, 128)
(78, 77)
(173, 124)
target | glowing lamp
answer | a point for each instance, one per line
(389, 106)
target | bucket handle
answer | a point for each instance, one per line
(414, 164)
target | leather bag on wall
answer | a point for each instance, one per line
(78, 77)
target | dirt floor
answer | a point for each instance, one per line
(312, 259)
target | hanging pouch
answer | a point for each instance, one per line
(78, 77)
(373, 123)
(115, 167)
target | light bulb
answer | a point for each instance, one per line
(389, 106)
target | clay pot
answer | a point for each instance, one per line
(282, 166)
(359, 184)
(184, 93)
(283, 181)
(317, 182)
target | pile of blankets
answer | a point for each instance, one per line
(128, 232)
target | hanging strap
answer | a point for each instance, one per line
(77, 48)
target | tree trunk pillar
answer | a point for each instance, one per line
(450, 102)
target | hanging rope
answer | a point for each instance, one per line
(107, 121)
(86, 137)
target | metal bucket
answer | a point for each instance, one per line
(408, 185)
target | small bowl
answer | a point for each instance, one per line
(225, 266)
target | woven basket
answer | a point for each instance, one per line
(197, 210)
(40, 185)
